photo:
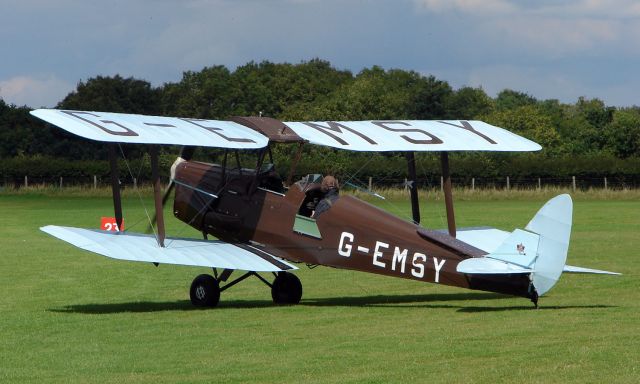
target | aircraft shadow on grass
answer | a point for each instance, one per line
(431, 301)
(389, 301)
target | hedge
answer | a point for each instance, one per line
(385, 169)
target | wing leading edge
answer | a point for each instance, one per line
(251, 133)
(144, 129)
(190, 252)
(412, 135)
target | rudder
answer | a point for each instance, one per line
(553, 224)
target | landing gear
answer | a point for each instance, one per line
(205, 291)
(286, 289)
(534, 298)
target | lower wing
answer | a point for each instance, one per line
(191, 252)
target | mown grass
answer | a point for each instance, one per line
(70, 316)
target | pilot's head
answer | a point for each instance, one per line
(328, 182)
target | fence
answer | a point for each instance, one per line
(62, 182)
(506, 182)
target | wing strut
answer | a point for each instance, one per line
(413, 186)
(157, 194)
(115, 185)
(294, 163)
(448, 198)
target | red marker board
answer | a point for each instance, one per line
(109, 224)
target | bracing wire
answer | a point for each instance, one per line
(186, 225)
(146, 211)
(398, 211)
(138, 191)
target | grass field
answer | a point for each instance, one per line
(71, 316)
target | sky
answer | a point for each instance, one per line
(548, 49)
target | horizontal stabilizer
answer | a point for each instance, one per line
(573, 269)
(485, 238)
(520, 248)
(191, 252)
(487, 266)
(516, 254)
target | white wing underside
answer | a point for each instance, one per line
(190, 252)
(374, 136)
(144, 129)
(412, 135)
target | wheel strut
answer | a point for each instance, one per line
(205, 289)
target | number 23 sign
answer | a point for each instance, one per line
(109, 224)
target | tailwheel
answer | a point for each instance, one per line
(534, 298)
(205, 291)
(286, 289)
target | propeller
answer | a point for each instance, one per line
(186, 153)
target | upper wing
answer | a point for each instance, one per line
(249, 133)
(139, 247)
(412, 135)
(143, 129)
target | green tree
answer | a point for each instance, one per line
(468, 103)
(208, 94)
(623, 133)
(510, 99)
(378, 94)
(429, 99)
(594, 111)
(583, 126)
(113, 94)
(530, 122)
(104, 94)
(253, 88)
(19, 132)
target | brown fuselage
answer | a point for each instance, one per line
(352, 234)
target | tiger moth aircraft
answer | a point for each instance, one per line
(263, 224)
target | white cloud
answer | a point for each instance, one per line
(553, 36)
(548, 29)
(495, 78)
(460, 40)
(467, 6)
(540, 83)
(34, 92)
(600, 9)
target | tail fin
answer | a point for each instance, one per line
(540, 250)
(553, 224)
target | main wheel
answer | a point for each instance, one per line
(286, 289)
(205, 291)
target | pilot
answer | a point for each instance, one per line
(330, 189)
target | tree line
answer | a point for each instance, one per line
(583, 138)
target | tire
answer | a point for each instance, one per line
(286, 289)
(205, 291)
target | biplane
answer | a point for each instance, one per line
(263, 224)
